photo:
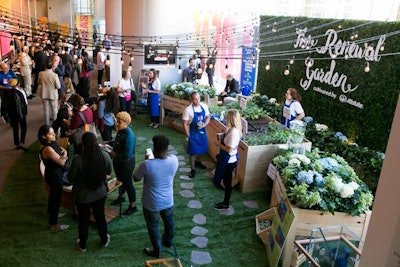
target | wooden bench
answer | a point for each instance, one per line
(68, 202)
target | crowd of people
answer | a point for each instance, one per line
(66, 110)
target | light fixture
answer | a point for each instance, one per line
(130, 66)
(268, 66)
(366, 68)
(382, 47)
(291, 61)
(287, 70)
(122, 61)
(226, 64)
(179, 67)
(309, 62)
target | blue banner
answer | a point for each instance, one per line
(249, 67)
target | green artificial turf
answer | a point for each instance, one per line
(25, 238)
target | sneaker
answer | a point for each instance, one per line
(118, 201)
(155, 126)
(130, 210)
(192, 173)
(221, 206)
(151, 124)
(60, 215)
(151, 252)
(59, 227)
(78, 247)
(107, 242)
(200, 165)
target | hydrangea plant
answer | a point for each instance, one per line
(184, 89)
(322, 181)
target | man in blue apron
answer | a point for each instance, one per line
(195, 118)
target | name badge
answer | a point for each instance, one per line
(286, 112)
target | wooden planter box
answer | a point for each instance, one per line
(266, 215)
(178, 105)
(253, 160)
(306, 220)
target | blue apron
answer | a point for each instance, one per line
(285, 122)
(198, 142)
(152, 102)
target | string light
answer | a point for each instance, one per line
(130, 66)
(287, 70)
(179, 67)
(108, 60)
(291, 61)
(226, 64)
(268, 66)
(366, 68)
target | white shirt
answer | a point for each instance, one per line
(188, 113)
(126, 84)
(295, 108)
(232, 140)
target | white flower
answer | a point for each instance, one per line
(354, 185)
(347, 191)
(304, 159)
(173, 86)
(294, 162)
(272, 100)
(321, 127)
(337, 184)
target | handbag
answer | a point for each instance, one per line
(127, 97)
(87, 127)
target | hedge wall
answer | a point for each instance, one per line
(377, 91)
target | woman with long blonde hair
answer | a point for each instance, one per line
(227, 158)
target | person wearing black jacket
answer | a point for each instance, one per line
(231, 87)
(16, 104)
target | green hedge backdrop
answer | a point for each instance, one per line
(377, 91)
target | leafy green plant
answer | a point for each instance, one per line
(274, 134)
(322, 181)
(184, 89)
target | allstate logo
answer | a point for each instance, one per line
(343, 98)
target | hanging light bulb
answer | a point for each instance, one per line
(268, 66)
(346, 56)
(226, 64)
(366, 68)
(287, 70)
(382, 47)
(130, 66)
(122, 61)
(179, 67)
(108, 60)
(309, 62)
(291, 61)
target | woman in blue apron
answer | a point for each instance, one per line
(153, 89)
(291, 109)
(195, 119)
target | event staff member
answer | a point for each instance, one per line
(195, 118)
(153, 89)
(291, 109)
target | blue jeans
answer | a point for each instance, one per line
(152, 219)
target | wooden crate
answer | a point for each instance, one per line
(264, 233)
(173, 104)
(307, 220)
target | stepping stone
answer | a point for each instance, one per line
(181, 158)
(209, 174)
(200, 257)
(227, 212)
(200, 241)
(185, 177)
(174, 152)
(141, 138)
(171, 147)
(198, 230)
(195, 204)
(181, 163)
(199, 219)
(187, 193)
(184, 170)
(187, 185)
(251, 204)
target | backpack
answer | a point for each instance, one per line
(89, 64)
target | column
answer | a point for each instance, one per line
(114, 30)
